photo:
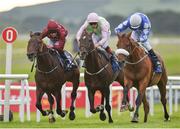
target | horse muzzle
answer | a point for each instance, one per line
(31, 56)
(83, 55)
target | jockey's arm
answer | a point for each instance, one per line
(59, 45)
(80, 31)
(104, 38)
(144, 36)
(121, 27)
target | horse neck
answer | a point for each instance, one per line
(92, 61)
(136, 53)
(45, 60)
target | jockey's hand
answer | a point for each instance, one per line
(97, 45)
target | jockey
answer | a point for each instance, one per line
(57, 35)
(140, 25)
(100, 28)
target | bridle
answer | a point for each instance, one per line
(131, 53)
(39, 54)
(89, 52)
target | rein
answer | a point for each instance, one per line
(45, 72)
(96, 73)
(134, 63)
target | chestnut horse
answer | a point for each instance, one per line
(98, 74)
(50, 76)
(138, 72)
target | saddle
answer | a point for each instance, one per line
(104, 53)
(67, 60)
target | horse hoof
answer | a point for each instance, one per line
(134, 120)
(44, 113)
(102, 116)
(52, 120)
(63, 113)
(124, 108)
(110, 121)
(99, 108)
(131, 109)
(168, 119)
(72, 116)
(93, 111)
(145, 121)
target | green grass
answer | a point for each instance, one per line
(120, 121)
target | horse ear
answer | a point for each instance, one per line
(31, 33)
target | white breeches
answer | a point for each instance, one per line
(135, 36)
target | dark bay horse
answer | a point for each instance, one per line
(50, 77)
(138, 72)
(98, 74)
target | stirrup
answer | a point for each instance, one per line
(158, 69)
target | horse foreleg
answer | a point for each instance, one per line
(91, 93)
(50, 112)
(73, 97)
(108, 107)
(141, 91)
(162, 89)
(146, 107)
(59, 111)
(125, 102)
(102, 115)
(39, 94)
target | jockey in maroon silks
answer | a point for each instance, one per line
(57, 34)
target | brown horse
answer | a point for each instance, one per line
(50, 76)
(138, 72)
(98, 74)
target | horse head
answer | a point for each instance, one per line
(34, 46)
(86, 44)
(126, 42)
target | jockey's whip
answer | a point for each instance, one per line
(33, 65)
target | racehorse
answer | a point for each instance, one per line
(138, 72)
(50, 76)
(98, 74)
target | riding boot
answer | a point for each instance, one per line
(113, 59)
(67, 65)
(155, 61)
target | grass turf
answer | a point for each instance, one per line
(120, 121)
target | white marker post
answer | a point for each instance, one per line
(9, 35)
